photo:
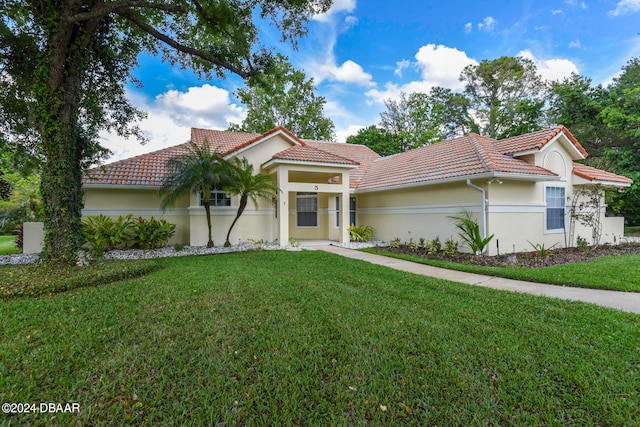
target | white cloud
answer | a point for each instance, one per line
(551, 69)
(575, 44)
(400, 66)
(488, 24)
(442, 65)
(171, 115)
(342, 135)
(556, 11)
(205, 106)
(393, 91)
(438, 65)
(468, 27)
(337, 7)
(348, 72)
(626, 6)
(350, 21)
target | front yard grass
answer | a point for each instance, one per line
(618, 273)
(632, 230)
(311, 338)
(8, 245)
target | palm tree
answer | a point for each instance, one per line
(196, 170)
(244, 183)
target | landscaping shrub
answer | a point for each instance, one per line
(11, 216)
(152, 233)
(470, 232)
(450, 247)
(361, 233)
(103, 233)
(582, 243)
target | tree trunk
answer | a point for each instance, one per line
(59, 92)
(241, 207)
(207, 209)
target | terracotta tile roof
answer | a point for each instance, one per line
(305, 153)
(222, 141)
(597, 175)
(144, 170)
(537, 140)
(149, 169)
(362, 154)
(466, 156)
(458, 158)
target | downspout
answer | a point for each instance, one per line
(483, 204)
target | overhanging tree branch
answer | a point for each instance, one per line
(180, 47)
(103, 9)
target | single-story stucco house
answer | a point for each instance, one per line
(519, 188)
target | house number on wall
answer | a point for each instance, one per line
(315, 187)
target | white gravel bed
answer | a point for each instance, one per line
(361, 245)
(170, 251)
(18, 259)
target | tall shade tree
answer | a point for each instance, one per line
(576, 103)
(379, 140)
(418, 119)
(622, 114)
(505, 94)
(64, 65)
(283, 96)
(247, 184)
(198, 169)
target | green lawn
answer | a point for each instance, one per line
(311, 338)
(632, 231)
(7, 245)
(619, 273)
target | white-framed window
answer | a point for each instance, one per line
(555, 200)
(218, 198)
(306, 209)
(352, 210)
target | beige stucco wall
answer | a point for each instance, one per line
(253, 224)
(417, 212)
(259, 153)
(114, 202)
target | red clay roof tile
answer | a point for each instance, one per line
(462, 157)
(597, 175)
(536, 141)
(305, 153)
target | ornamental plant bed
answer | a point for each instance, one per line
(530, 259)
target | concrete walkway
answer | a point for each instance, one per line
(625, 301)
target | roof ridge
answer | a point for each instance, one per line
(309, 147)
(475, 144)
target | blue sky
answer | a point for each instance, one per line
(361, 53)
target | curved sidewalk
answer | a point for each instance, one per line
(625, 301)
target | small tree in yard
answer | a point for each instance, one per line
(585, 208)
(197, 170)
(244, 183)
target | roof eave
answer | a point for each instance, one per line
(279, 130)
(274, 162)
(580, 180)
(489, 175)
(569, 145)
(122, 186)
